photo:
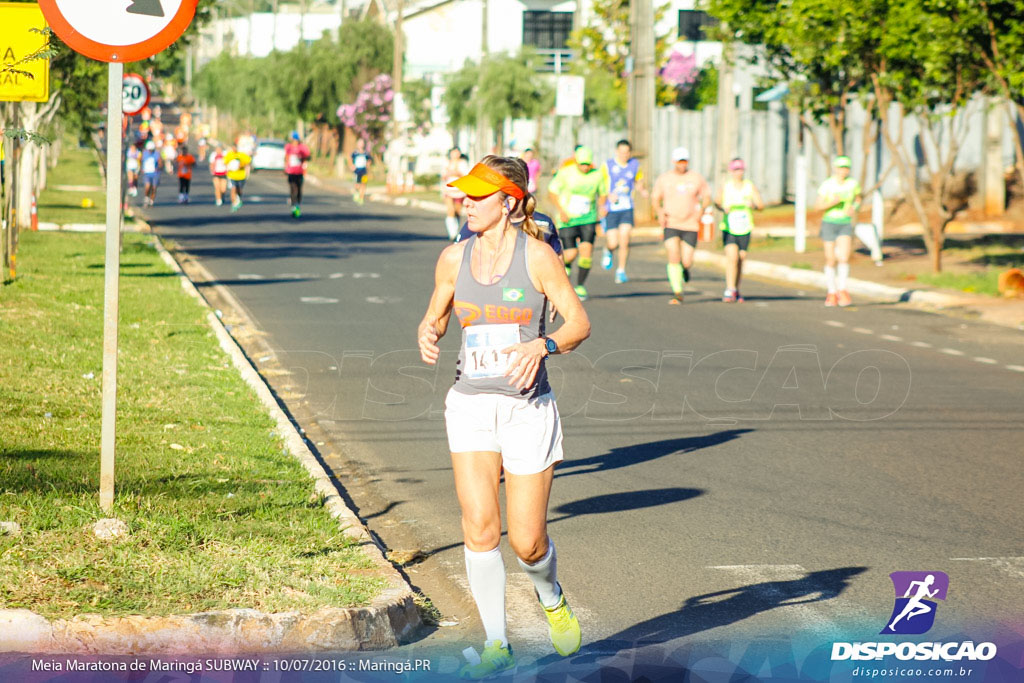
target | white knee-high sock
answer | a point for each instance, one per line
(842, 273)
(544, 575)
(486, 572)
(830, 279)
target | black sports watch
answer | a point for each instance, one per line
(550, 345)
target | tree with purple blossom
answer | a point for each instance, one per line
(370, 114)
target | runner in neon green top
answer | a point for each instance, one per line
(840, 197)
(578, 192)
(736, 199)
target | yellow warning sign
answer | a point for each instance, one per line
(22, 81)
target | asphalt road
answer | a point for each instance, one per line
(732, 471)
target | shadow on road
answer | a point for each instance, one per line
(626, 456)
(612, 502)
(721, 608)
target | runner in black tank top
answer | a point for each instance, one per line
(500, 413)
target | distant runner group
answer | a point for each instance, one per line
(589, 200)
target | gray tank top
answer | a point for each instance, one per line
(494, 317)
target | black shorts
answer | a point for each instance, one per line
(614, 219)
(741, 241)
(583, 233)
(360, 175)
(688, 236)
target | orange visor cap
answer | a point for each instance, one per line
(483, 181)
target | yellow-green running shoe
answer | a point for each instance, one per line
(494, 660)
(564, 628)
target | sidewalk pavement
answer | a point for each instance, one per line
(864, 283)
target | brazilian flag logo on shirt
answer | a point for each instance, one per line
(512, 294)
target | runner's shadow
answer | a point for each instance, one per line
(608, 503)
(626, 456)
(722, 608)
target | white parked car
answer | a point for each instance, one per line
(269, 155)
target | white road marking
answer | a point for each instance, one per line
(1014, 566)
(251, 276)
(921, 344)
(372, 276)
(1015, 368)
(318, 300)
(383, 299)
(834, 323)
(297, 276)
(986, 361)
(336, 276)
(863, 330)
(891, 337)
(952, 352)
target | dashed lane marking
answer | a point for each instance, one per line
(834, 323)
(952, 352)
(862, 330)
(1015, 368)
(986, 361)
(891, 337)
(318, 300)
(921, 344)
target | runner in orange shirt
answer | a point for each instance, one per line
(185, 162)
(680, 198)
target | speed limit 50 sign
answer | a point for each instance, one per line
(134, 94)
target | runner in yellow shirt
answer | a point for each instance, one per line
(238, 170)
(736, 198)
(840, 197)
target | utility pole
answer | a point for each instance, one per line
(481, 123)
(727, 124)
(396, 86)
(641, 91)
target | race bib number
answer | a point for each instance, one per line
(484, 344)
(739, 222)
(579, 205)
(294, 161)
(149, 165)
(234, 165)
(218, 165)
(360, 162)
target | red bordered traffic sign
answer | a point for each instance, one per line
(134, 94)
(110, 31)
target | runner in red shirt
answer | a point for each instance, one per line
(185, 162)
(296, 155)
(219, 170)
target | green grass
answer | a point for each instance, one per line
(220, 516)
(985, 282)
(988, 257)
(77, 166)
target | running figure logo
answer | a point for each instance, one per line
(914, 611)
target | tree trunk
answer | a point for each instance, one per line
(1018, 132)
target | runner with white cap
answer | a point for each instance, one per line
(737, 197)
(839, 196)
(679, 198)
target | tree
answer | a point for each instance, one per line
(995, 29)
(509, 88)
(370, 115)
(933, 80)
(602, 47)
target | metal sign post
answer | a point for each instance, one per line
(111, 270)
(115, 33)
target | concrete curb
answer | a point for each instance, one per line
(815, 278)
(392, 617)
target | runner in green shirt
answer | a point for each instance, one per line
(578, 192)
(840, 197)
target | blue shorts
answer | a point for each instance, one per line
(615, 219)
(151, 179)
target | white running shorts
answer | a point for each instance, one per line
(527, 432)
